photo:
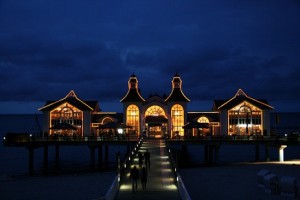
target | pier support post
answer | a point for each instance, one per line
(30, 160)
(45, 159)
(106, 156)
(206, 153)
(216, 153)
(118, 160)
(209, 154)
(267, 152)
(100, 156)
(57, 155)
(92, 157)
(256, 152)
(281, 153)
(184, 155)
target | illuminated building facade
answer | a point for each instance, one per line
(159, 116)
(243, 115)
(69, 110)
(156, 116)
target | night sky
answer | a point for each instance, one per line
(49, 47)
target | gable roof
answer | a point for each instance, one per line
(240, 97)
(72, 99)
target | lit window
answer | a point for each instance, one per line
(155, 111)
(203, 120)
(245, 119)
(177, 115)
(132, 117)
(67, 113)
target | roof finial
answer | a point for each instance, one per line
(240, 92)
(133, 75)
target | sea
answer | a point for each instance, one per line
(14, 160)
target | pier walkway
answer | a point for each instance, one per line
(161, 183)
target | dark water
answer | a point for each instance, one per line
(228, 154)
(14, 160)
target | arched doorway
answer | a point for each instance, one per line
(133, 119)
(156, 122)
(244, 120)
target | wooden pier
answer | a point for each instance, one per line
(95, 144)
(99, 147)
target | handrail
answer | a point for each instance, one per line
(112, 191)
(124, 166)
(12, 138)
(184, 194)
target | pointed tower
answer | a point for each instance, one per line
(177, 94)
(132, 105)
(133, 94)
(177, 108)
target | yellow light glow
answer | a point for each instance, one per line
(125, 187)
(166, 170)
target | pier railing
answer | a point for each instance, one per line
(124, 167)
(177, 178)
(19, 139)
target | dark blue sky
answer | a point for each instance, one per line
(49, 47)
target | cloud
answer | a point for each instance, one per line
(50, 47)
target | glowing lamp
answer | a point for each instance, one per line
(120, 131)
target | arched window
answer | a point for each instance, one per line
(177, 115)
(203, 120)
(67, 113)
(133, 118)
(245, 119)
(106, 120)
(155, 111)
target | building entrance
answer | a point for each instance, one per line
(156, 130)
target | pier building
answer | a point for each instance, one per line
(158, 116)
